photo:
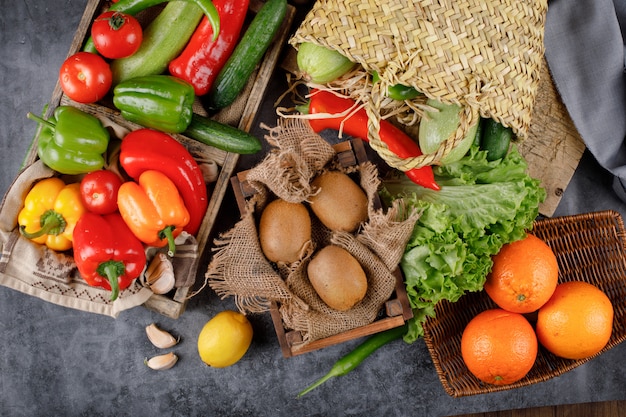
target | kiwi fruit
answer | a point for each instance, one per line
(337, 277)
(284, 230)
(339, 203)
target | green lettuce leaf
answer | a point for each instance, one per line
(481, 206)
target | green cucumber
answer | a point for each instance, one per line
(163, 40)
(222, 136)
(479, 133)
(496, 139)
(247, 54)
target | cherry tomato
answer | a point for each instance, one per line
(98, 190)
(116, 35)
(85, 77)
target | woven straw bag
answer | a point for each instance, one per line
(484, 55)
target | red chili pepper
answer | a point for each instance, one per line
(147, 149)
(106, 252)
(203, 57)
(355, 124)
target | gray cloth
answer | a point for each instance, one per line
(584, 42)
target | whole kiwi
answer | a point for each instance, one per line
(284, 230)
(337, 277)
(340, 203)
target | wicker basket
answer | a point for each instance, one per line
(589, 247)
(484, 55)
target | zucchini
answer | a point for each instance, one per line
(222, 136)
(495, 139)
(257, 38)
(164, 38)
(321, 65)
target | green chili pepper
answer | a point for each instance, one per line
(71, 141)
(354, 358)
(398, 91)
(132, 7)
(161, 102)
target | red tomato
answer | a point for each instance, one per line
(85, 77)
(98, 190)
(116, 35)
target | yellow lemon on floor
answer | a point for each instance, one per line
(225, 339)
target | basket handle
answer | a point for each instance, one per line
(468, 117)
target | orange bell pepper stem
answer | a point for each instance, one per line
(153, 209)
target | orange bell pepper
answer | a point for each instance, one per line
(153, 209)
(51, 210)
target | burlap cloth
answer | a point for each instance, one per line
(484, 55)
(35, 270)
(239, 268)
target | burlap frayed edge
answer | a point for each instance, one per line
(293, 166)
(231, 259)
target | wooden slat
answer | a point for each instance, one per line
(599, 409)
(554, 147)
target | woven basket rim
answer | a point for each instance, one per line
(572, 238)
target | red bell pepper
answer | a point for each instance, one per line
(356, 124)
(106, 252)
(147, 149)
(203, 57)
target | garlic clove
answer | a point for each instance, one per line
(161, 362)
(160, 338)
(159, 275)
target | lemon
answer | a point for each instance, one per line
(225, 339)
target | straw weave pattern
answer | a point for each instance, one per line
(485, 54)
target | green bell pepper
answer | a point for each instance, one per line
(160, 102)
(71, 141)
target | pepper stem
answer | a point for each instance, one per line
(112, 271)
(41, 120)
(51, 222)
(317, 383)
(168, 233)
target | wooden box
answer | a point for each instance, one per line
(396, 310)
(240, 114)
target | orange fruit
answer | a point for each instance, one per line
(499, 347)
(524, 275)
(576, 322)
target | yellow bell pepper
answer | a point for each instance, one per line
(51, 210)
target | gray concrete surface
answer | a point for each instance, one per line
(61, 362)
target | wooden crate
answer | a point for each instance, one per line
(397, 309)
(173, 304)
